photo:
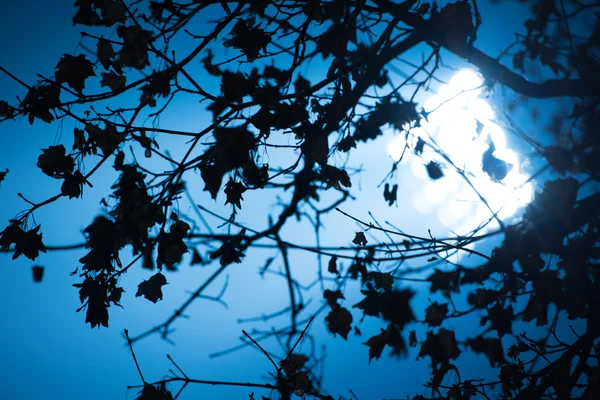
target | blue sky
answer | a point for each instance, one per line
(48, 351)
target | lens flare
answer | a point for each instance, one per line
(463, 125)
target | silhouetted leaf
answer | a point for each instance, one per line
(434, 170)
(38, 273)
(446, 282)
(501, 319)
(114, 81)
(229, 252)
(27, 243)
(492, 348)
(335, 177)
(115, 295)
(511, 376)
(412, 338)
(435, 313)
(6, 111)
(332, 266)
(248, 38)
(559, 158)
(74, 70)
(332, 296)
(496, 168)
(54, 161)
(376, 344)
(72, 185)
(536, 309)
(339, 321)
(233, 191)
(152, 288)
(99, 13)
(40, 100)
(360, 239)
(441, 347)
(550, 212)
(382, 280)
(419, 146)
(293, 363)
(152, 392)
(3, 175)
(171, 247)
(134, 52)
(105, 53)
(390, 195)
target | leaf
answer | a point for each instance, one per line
(134, 52)
(371, 304)
(332, 266)
(315, 149)
(248, 38)
(99, 13)
(94, 290)
(441, 347)
(115, 295)
(293, 363)
(235, 86)
(435, 313)
(496, 168)
(434, 170)
(105, 53)
(72, 186)
(229, 252)
(114, 81)
(6, 111)
(3, 175)
(332, 296)
(376, 344)
(390, 195)
(39, 100)
(501, 319)
(382, 280)
(197, 258)
(393, 306)
(152, 392)
(335, 177)
(38, 273)
(396, 307)
(537, 309)
(511, 376)
(171, 247)
(360, 239)
(560, 159)
(419, 147)
(74, 70)
(54, 162)
(107, 139)
(550, 213)
(233, 191)
(231, 150)
(29, 244)
(412, 338)
(445, 282)
(152, 288)
(491, 347)
(339, 321)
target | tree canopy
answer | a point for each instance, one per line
(288, 92)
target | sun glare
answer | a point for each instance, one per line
(463, 125)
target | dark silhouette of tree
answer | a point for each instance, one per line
(545, 270)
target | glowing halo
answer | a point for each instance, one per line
(462, 125)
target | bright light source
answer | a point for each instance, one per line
(462, 125)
